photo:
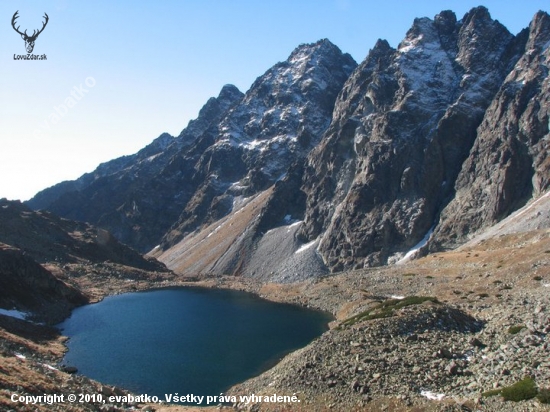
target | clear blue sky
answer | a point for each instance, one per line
(153, 64)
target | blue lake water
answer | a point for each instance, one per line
(184, 340)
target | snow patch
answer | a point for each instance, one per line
(409, 44)
(306, 246)
(239, 201)
(50, 367)
(299, 222)
(414, 251)
(20, 356)
(532, 205)
(398, 297)
(432, 396)
(151, 158)
(215, 230)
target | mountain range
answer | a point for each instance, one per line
(326, 165)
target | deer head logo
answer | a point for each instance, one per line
(29, 40)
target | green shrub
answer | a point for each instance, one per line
(514, 330)
(494, 392)
(520, 391)
(386, 309)
(544, 395)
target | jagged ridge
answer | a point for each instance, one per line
(427, 143)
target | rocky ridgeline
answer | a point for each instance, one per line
(425, 144)
(238, 146)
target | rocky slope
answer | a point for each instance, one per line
(49, 266)
(46, 262)
(27, 287)
(452, 350)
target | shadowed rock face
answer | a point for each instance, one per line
(46, 237)
(427, 144)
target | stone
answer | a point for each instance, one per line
(69, 369)
(444, 353)
(476, 343)
(452, 369)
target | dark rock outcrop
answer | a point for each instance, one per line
(46, 237)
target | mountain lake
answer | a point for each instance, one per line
(184, 340)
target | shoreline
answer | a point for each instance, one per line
(494, 283)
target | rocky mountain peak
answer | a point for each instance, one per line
(310, 53)
(278, 121)
(229, 92)
(477, 15)
(539, 31)
(481, 35)
(508, 163)
(238, 145)
(287, 109)
(423, 144)
(446, 21)
(211, 112)
(422, 31)
(381, 47)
